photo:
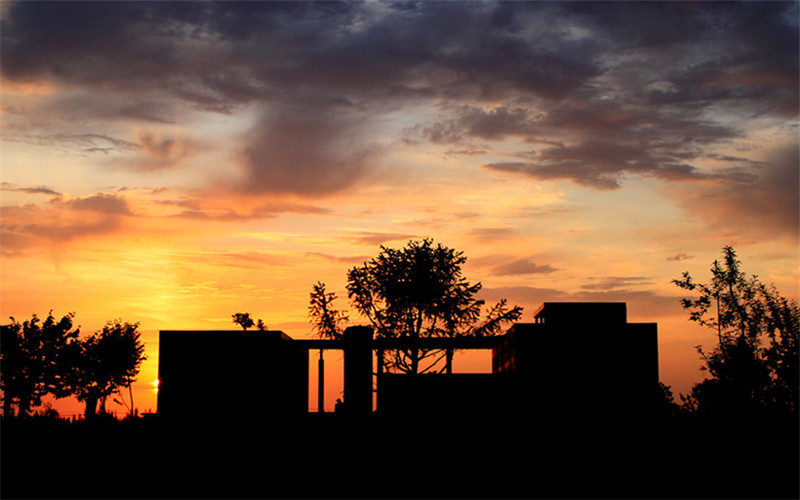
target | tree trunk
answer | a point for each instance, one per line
(91, 407)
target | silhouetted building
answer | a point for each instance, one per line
(578, 359)
(581, 357)
(260, 374)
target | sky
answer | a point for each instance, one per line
(173, 163)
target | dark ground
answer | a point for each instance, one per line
(379, 458)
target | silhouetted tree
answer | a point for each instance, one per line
(243, 319)
(326, 321)
(755, 363)
(106, 361)
(414, 292)
(32, 360)
(246, 321)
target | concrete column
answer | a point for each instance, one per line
(358, 370)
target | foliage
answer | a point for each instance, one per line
(32, 360)
(755, 363)
(414, 292)
(106, 361)
(326, 321)
(243, 319)
(40, 358)
(246, 321)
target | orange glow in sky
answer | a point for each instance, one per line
(174, 180)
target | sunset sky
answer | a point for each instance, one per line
(175, 163)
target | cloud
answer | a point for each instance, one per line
(100, 203)
(767, 207)
(7, 186)
(600, 97)
(63, 220)
(679, 257)
(377, 238)
(308, 148)
(646, 302)
(493, 124)
(615, 283)
(522, 266)
(232, 207)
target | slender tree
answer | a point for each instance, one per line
(754, 365)
(326, 321)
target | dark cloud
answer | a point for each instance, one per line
(309, 147)
(679, 257)
(493, 124)
(604, 90)
(768, 206)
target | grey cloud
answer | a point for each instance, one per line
(494, 124)
(615, 283)
(522, 266)
(104, 203)
(628, 76)
(766, 207)
(312, 148)
(7, 186)
(61, 220)
(638, 301)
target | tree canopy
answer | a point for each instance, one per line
(39, 358)
(33, 360)
(106, 361)
(754, 365)
(414, 292)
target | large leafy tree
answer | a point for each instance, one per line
(414, 292)
(105, 362)
(754, 365)
(33, 360)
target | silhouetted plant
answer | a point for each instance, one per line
(246, 321)
(243, 319)
(755, 363)
(665, 401)
(326, 321)
(32, 360)
(106, 361)
(414, 292)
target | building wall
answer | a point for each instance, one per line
(251, 374)
(581, 358)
